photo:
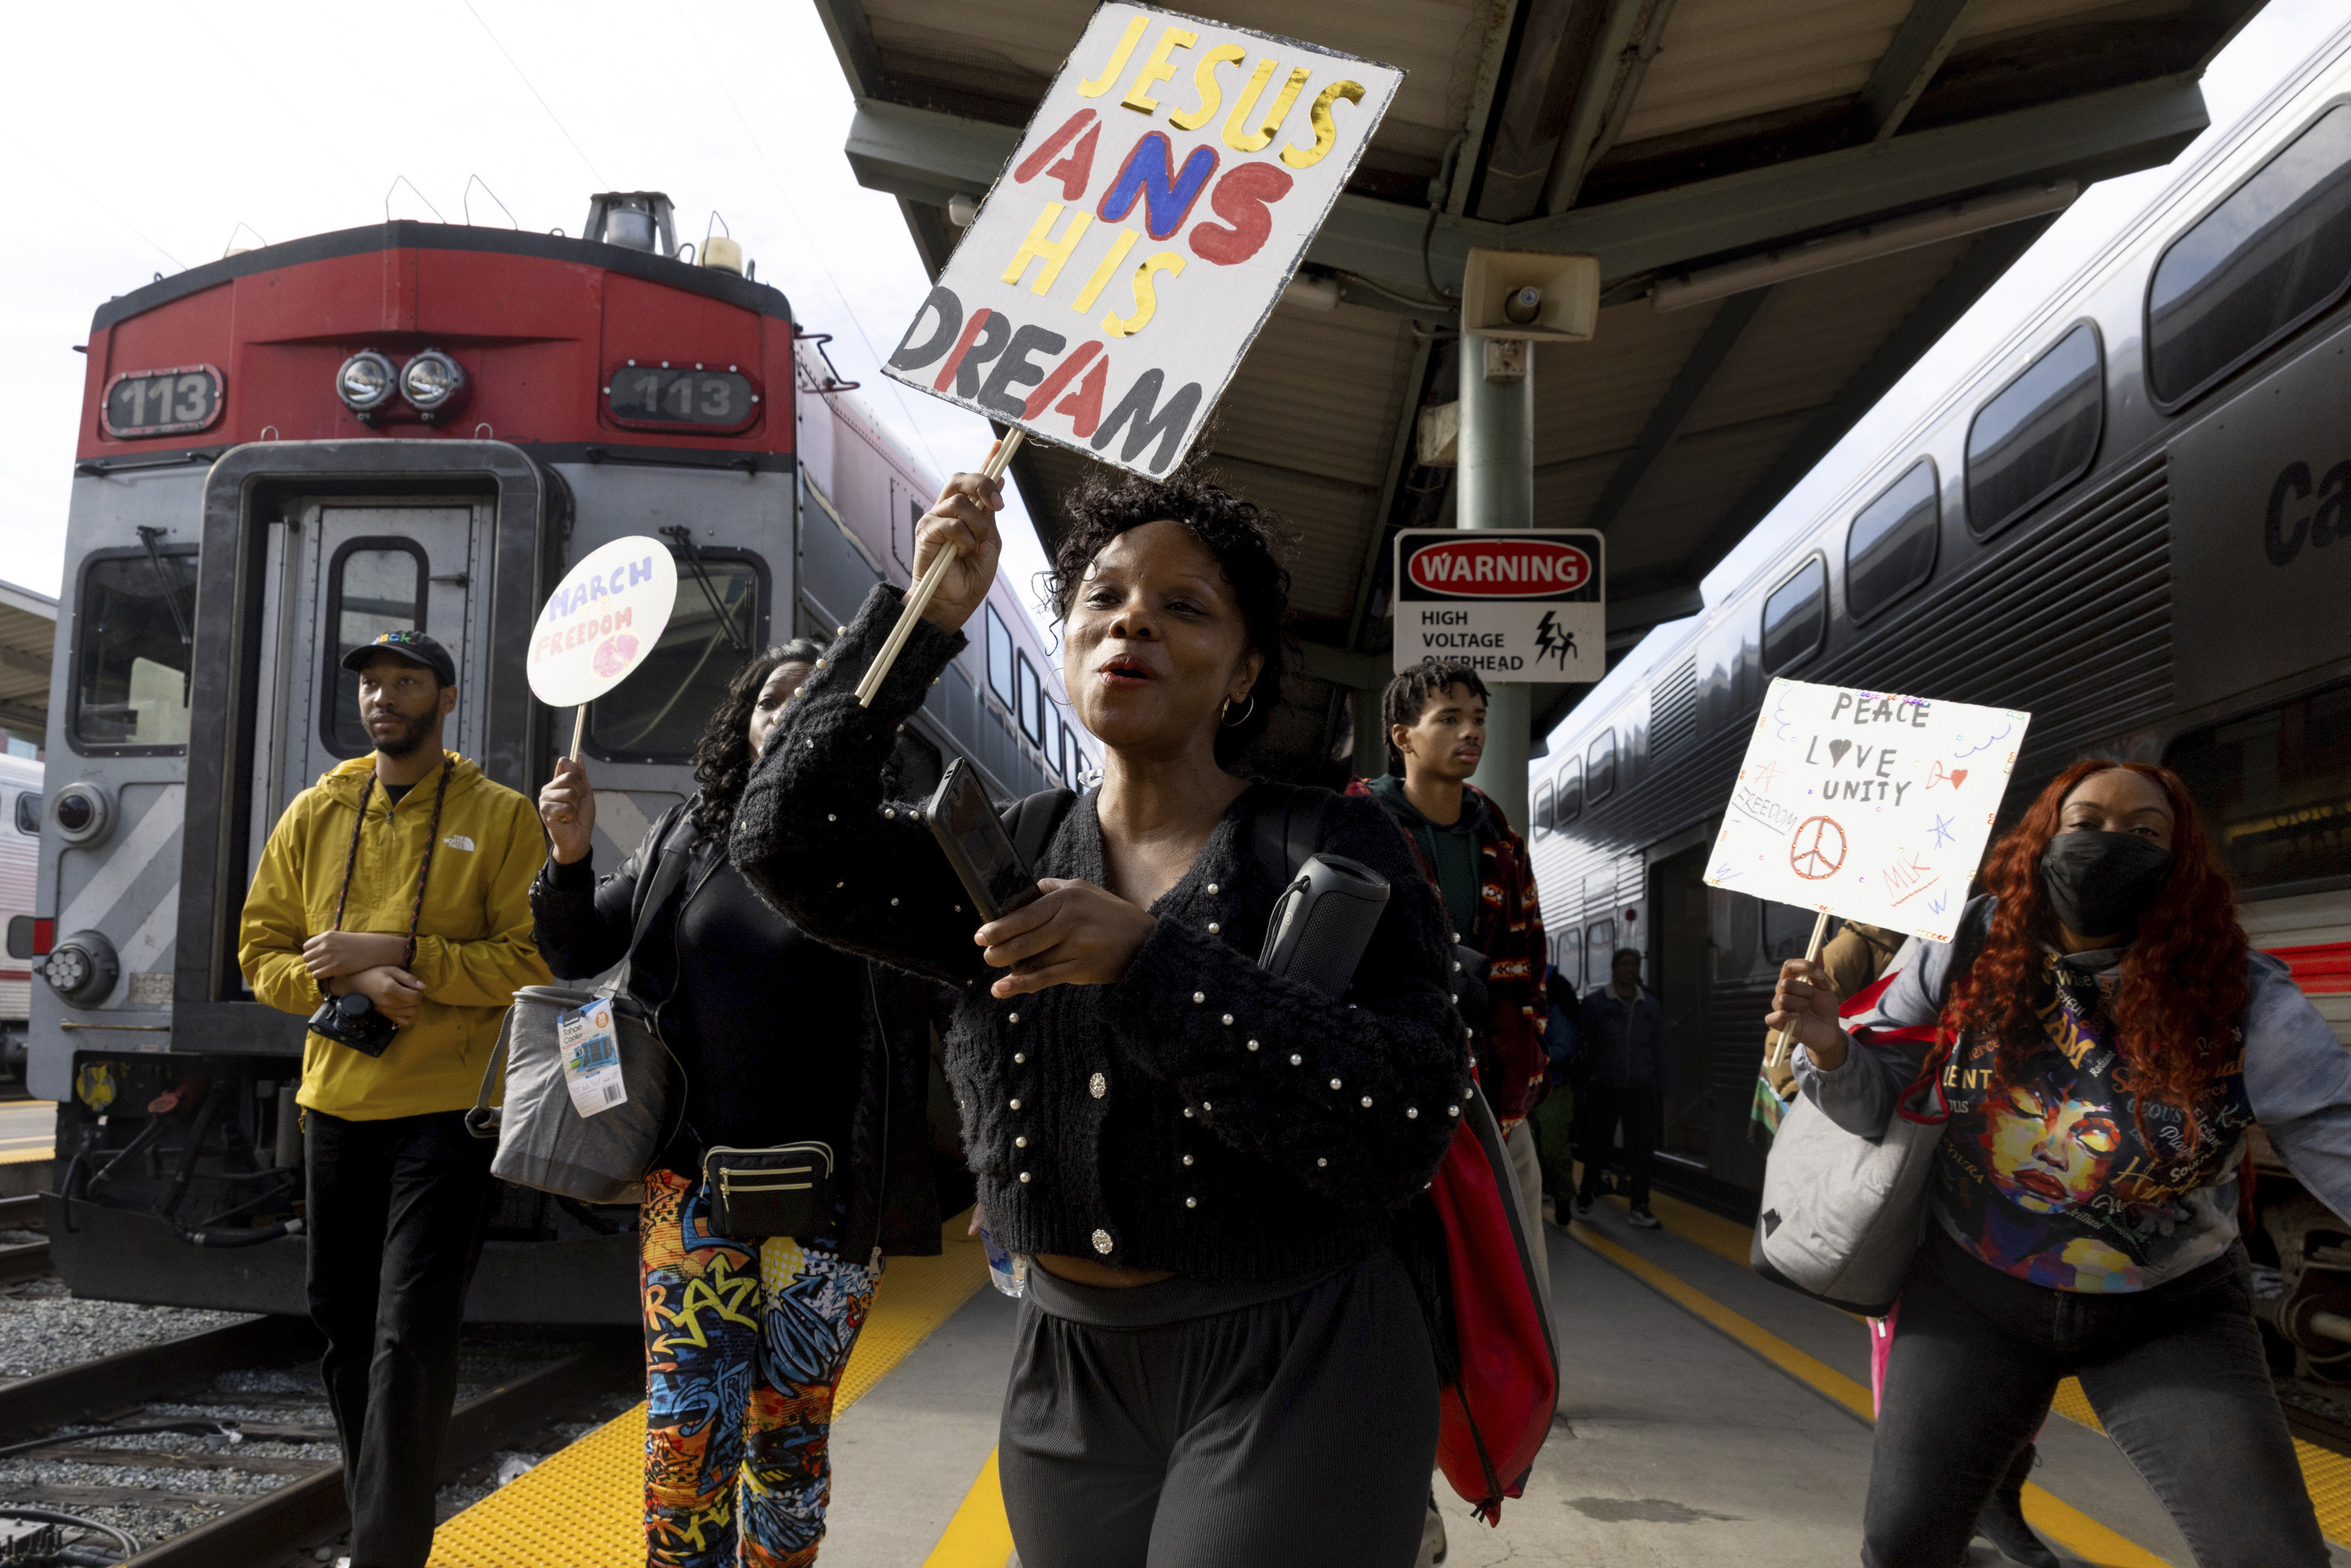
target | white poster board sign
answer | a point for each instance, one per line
(1514, 605)
(602, 621)
(1869, 804)
(1139, 235)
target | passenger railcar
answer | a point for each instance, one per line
(292, 449)
(2133, 519)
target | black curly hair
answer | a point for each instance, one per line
(722, 758)
(1246, 539)
(1408, 697)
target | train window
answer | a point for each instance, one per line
(1050, 738)
(2274, 253)
(137, 630)
(1599, 947)
(657, 714)
(28, 812)
(2038, 433)
(999, 657)
(1890, 548)
(1569, 960)
(2275, 788)
(1600, 767)
(1085, 770)
(1569, 802)
(1795, 615)
(1031, 711)
(1068, 756)
(1543, 811)
(373, 586)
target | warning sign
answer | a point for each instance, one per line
(1513, 606)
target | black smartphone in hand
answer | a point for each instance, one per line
(972, 835)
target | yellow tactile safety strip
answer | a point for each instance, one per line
(2069, 1528)
(25, 1157)
(583, 1507)
(979, 1536)
(2325, 1473)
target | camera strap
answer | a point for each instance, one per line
(424, 870)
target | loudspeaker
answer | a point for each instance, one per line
(1567, 307)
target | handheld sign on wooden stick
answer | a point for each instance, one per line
(1136, 241)
(599, 624)
(918, 600)
(1866, 805)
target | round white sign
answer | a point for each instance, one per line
(602, 622)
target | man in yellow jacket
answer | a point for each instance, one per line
(399, 1191)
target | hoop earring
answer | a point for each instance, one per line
(1246, 711)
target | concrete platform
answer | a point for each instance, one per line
(1708, 1418)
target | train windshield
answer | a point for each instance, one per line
(2275, 788)
(137, 627)
(657, 714)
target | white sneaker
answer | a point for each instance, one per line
(1432, 1537)
(1643, 1218)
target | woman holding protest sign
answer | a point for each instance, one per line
(1221, 1358)
(784, 1043)
(2104, 1038)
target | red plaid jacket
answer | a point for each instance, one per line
(1507, 1046)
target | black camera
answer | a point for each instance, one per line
(351, 1019)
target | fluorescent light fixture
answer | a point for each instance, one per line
(1972, 216)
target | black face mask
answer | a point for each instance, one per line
(2098, 882)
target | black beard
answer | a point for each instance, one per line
(408, 740)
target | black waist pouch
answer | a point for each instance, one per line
(757, 1193)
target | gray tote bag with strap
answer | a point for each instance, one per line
(544, 1141)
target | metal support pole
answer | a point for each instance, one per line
(1498, 491)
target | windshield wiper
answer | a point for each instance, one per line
(684, 538)
(147, 535)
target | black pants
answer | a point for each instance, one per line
(396, 1213)
(1300, 1430)
(2175, 1374)
(1642, 1109)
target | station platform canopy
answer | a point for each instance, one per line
(28, 634)
(1791, 201)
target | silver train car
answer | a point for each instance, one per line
(292, 449)
(2123, 519)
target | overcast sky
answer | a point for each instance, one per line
(140, 135)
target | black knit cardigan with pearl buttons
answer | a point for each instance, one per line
(1200, 1116)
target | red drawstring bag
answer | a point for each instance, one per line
(1496, 1411)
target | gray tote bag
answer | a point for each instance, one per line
(1843, 1215)
(544, 1141)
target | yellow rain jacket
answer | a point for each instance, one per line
(473, 946)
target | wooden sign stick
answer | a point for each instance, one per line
(1812, 952)
(919, 600)
(579, 729)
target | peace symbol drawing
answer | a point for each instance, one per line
(1817, 850)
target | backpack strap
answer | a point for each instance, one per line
(1285, 834)
(1033, 819)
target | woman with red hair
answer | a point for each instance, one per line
(2103, 1054)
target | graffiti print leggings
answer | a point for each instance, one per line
(744, 1343)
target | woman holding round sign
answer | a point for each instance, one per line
(1222, 1360)
(796, 1057)
(2103, 1037)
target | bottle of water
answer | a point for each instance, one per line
(1006, 1273)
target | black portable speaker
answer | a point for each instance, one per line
(1322, 922)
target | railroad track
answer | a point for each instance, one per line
(25, 1260)
(309, 1506)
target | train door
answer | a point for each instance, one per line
(345, 571)
(1681, 970)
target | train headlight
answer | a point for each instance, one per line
(83, 813)
(433, 382)
(366, 382)
(83, 969)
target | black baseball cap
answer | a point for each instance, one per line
(413, 646)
